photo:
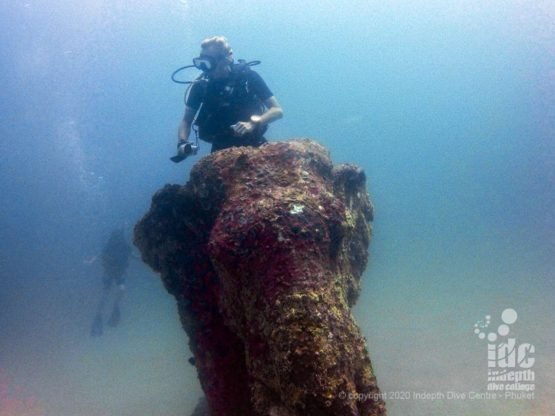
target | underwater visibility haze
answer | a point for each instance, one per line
(448, 106)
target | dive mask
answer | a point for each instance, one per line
(205, 63)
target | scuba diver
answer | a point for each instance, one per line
(115, 260)
(229, 104)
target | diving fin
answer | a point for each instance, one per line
(177, 158)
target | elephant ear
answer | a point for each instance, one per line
(172, 233)
(349, 185)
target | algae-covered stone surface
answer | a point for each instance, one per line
(263, 249)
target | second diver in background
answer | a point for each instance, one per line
(115, 260)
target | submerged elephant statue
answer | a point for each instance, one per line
(264, 249)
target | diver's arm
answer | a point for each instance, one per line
(273, 112)
(185, 126)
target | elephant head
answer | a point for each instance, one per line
(264, 249)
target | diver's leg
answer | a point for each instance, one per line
(116, 313)
(97, 326)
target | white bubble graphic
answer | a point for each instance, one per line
(492, 336)
(482, 335)
(476, 331)
(509, 316)
(503, 330)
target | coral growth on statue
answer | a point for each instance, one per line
(264, 249)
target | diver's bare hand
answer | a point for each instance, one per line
(243, 127)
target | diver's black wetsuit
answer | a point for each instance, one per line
(115, 259)
(226, 102)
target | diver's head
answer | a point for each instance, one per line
(215, 57)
